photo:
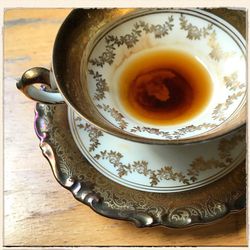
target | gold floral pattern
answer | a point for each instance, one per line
(176, 134)
(194, 33)
(146, 208)
(101, 85)
(219, 111)
(199, 164)
(227, 145)
(225, 148)
(232, 82)
(153, 131)
(141, 167)
(115, 114)
(217, 53)
(193, 128)
(130, 39)
(154, 207)
(93, 134)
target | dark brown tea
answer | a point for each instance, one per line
(164, 87)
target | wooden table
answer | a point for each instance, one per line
(37, 210)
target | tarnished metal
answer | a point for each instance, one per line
(145, 209)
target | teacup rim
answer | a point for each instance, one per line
(128, 136)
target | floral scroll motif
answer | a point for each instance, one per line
(225, 148)
(216, 53)
(176, 134)
(227, 145)
(93, 134)
(101, 85)
(232, 82)
(192, 128)
(219, 111)
(199, 164)
(194, 33)
(215, 201)
(115, 114)
(130, 39)
(141, 167)
(153, 131)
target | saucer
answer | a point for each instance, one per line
(108, 198)
(157, 168)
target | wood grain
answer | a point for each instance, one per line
(37, 210)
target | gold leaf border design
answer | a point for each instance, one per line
(194, 33)
(193, 128)
(101, 85)
(141, 167)
(130, 39)
(175, 134)
(227, 145)
(167, 172)
(200, 164)
(113, 42)
(218, 113)
(216, 53)
(153, 131)
(115, 114)
(232, 82)
(115, 197)
(93, 133)
(225, 148)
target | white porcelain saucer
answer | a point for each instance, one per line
(157, 168)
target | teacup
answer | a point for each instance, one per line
(92, 64)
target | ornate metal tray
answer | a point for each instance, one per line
(176, 210)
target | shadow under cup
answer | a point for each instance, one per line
(167, 74)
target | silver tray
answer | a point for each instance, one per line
(175, 210)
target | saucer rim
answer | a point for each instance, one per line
(213, 205)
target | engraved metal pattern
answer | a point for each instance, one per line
(176, 210)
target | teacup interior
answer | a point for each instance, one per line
(167, 33)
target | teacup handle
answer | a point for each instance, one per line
(44, 94)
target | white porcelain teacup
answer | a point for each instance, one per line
(186, 44)
(163, 35)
